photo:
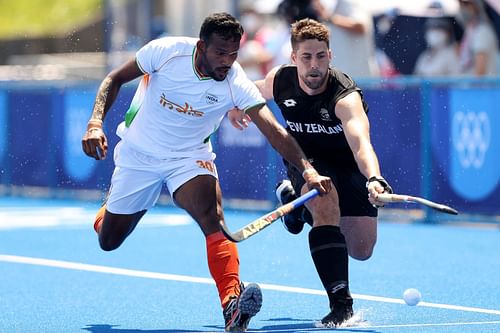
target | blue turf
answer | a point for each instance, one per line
(449, 265)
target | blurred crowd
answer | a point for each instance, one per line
(391, 43)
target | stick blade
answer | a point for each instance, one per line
(447, 210)
(235, 237)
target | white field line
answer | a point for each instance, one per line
(185, 278)
(437, 324)
(73, 216)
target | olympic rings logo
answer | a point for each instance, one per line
(471, 137)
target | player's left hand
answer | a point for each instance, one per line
(95, 143)
(238, 118)
(314, 180)
(376, 185)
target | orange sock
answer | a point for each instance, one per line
(98, 218)
(224, 265)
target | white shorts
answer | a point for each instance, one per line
(138, 178)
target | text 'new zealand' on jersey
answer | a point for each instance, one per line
(311, 119)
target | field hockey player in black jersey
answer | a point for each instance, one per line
(325, 112)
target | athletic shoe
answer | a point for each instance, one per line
(294, 221)
(341, 312)
(241, 309)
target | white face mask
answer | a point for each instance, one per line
(250, 22)
(436, 38)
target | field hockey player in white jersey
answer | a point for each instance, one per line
(187, 86)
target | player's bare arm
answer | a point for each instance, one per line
(357, 131)
(94, 141)
(238, 118)
(286, 145)
(265, 86)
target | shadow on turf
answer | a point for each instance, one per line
(302, 325)
(104, 328)
(306, 326)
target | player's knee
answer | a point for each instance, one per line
(208, 219)
(108, 244)
(361, 251)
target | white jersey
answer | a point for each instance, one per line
(175, 109)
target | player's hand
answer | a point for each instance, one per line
(375, 186)
(238, 118)
(314, 180)
(95, 143)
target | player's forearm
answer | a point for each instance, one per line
(279, 138)
(367, 162)
(106, 94)
(287, 147)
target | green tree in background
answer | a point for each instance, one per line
(45, 18)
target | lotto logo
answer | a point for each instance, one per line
(289, 102)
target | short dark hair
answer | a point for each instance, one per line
(222, 24)
(306, 29)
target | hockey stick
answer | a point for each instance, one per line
(386, 197)
(262, 222)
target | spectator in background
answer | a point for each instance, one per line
(352, 38)
(253, 56)
(382, 26)
(441, 56)
(288, 12)
(295, 10)
(478, 47)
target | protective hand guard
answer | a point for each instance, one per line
(382, 181)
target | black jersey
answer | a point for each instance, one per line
(311, 120)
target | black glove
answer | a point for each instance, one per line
(382, 181)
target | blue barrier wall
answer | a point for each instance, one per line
(437, 139)
(466, 149)
(4, 130)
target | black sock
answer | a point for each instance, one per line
(329, 254)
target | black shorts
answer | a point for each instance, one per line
(349, 182)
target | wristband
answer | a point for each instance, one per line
(94, 121)
(94, 129)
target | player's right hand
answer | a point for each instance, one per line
(314, 180)
(238, 118)
(95, 143)
(375, 186)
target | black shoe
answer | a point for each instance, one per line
(293, 222)
(241, 309)
(340, 312)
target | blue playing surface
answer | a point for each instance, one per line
(54, 277)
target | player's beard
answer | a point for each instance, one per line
(318, 80)
(210, 71)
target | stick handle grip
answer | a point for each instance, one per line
(304, 198)
(390, 197)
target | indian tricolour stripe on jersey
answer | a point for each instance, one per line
(136, 103)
